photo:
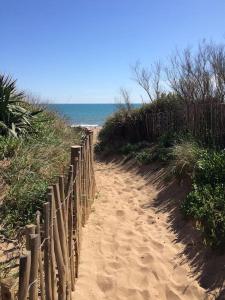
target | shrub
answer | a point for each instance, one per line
(206, 202)
(145, 156)
(14, 118)
(132, 148)
(184, 159)
(210, 168)
(206, 205)
(128, 126)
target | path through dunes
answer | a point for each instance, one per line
(129, 251)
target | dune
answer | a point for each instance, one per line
(129, 251)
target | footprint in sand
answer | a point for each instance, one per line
(114, 265)
(120, 213)
(105, 283)
(147, 258)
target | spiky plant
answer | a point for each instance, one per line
(15, 119)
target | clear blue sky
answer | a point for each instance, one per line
(81, 50)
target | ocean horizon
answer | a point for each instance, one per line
(86, 114)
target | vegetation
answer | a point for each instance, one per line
(206, 202)
(193, 76)
(184, 160)
(31, 156)
(126, 125)
(15, 118)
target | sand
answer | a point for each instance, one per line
(129, 251)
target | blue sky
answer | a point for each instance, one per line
(81, 51)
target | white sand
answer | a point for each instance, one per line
(129, 251)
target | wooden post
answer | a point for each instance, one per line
(70, 232)
(24, 276)
(40, 263)
(60, 221)
(75, 153)
(52, 244)
(58, 254)
(47, 252)
(82, 184)
(29, 229)
(34, 247)
(63, 200)
(65, 223)
(7, 290)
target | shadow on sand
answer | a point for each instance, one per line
(207, 266)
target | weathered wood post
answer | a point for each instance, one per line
(24, 276)
(7, 290)
(34, 248)
(47, 252)
(40, 263)
(75, 153)
(29, 229)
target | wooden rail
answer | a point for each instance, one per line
(49, 263)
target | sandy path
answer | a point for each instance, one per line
(128, 250)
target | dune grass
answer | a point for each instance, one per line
(33, 161)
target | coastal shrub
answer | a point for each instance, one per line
(145, 156)
(128, 126)
(15, 118)
(206, 205)
(185, 157)
(132, 148)
(34, 163)
(210, 168)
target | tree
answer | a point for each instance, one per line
(149, 79)
(198, 76)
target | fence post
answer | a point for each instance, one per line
(58, 252)
(60, 221)
(47, 252)
(75, 152)
(63, 201)
(52, 244)
(71, 227)
(24, 276)
(34, 247)
(29, 229)
(7, 291)
(38, 231)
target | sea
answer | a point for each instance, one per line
(86, 114)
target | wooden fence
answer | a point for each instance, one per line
(205, 121)
(49, 264)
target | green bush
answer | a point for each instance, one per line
(210, 168)
(128, 126)
(206, 202)
(184, 159)
(132, 148)
(206, 205)
(145, 156)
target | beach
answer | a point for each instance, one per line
(129, 250)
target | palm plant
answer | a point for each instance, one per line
(15, 119)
